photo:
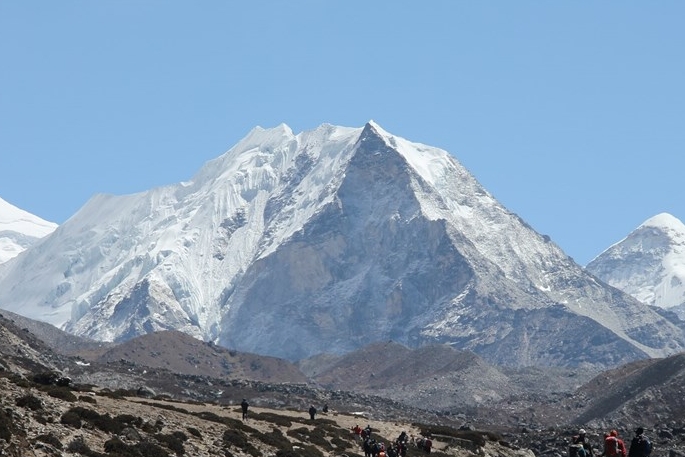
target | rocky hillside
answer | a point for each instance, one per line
(43, 414)
(143, 411)
(436, 377)
(180, 353)
(58, 405)
(42, 419)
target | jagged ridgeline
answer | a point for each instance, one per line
(292, 245)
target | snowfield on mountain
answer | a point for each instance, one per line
(292, 245)
(648, 264)
(19, 230)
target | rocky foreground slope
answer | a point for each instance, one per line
(50, 420)
(121, 408)
(44, 415)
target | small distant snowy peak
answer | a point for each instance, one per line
(18, 220)
(649, 263)
(668, 224)
(19, 229)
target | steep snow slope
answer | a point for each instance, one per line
(19, 230)
(648, 264)
(328, 240)
(184, 244)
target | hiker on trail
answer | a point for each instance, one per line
(325, 408)
(583, 441)
(640, 446)
(357, 431)
(614, 446)
(381, 450)
(580, 445)
(402, 449)
(367, 447)
(376, 448)
(402, 438)
(366, 433)
(244, 405)
(428, 444)
(312, 413)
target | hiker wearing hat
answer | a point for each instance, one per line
(580, 445)
(640, 446)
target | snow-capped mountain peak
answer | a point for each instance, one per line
(649, 263)
(327, 240)
(667, 223)
(19, 229)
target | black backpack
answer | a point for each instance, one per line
(576, 450)
(643, 445)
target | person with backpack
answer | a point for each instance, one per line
(367, 446)
(244, 405)
(580, 445)
(613, 445)
(366, 433)
(640, 446)
(381, 450)
(428, 444)
(403, 449)
(375, 448)
(357, 432)
(312, 413)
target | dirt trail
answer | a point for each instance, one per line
(388, 430)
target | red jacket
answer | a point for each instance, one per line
(614, 442)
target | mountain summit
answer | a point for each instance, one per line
(648, 264)
(19, 230)
(325, 241)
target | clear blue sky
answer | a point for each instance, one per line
(571, 113)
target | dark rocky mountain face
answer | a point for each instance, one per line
(371, 266)
(328, 241)
(368, 266)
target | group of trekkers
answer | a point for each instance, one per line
(398, 448)
(612, 446)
